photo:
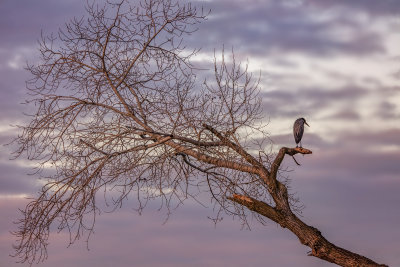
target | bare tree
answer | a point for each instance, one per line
(119, 113)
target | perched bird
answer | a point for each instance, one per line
(298, 130)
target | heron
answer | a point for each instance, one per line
(298, 130)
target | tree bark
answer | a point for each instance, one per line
(131, 109)
(308, 235)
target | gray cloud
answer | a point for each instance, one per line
(12, 94)
(349, 185)
(309, 100)
(274, 27)
(309, 140)
(146, 242)
(346, 114)
(382, 137)
(347, 208)
(22, 21)
(386, 110)
(360, 164)
(367, 144)
(14, 180)
(380, 8)
(188, 239)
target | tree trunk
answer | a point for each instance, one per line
(308, 235)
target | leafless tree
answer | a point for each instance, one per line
(119, 113)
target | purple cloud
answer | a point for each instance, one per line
(274, 27)
(289, 102)
(374, 8)
(22, 21)
(349, 185)
(347, 114)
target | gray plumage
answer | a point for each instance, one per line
(298, 130)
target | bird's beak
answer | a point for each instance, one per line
(307, 124)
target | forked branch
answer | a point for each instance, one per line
(283, 215)
(117, 101)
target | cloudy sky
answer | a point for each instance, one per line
(334, 62)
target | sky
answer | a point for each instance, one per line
(334, 62)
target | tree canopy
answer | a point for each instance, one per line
(120, 112)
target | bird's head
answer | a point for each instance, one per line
(304, 121)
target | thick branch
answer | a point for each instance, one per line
(282, 152)
(129, 77)
(177, 137)
(213, 160)
(308, 235)
(263, 172)
(259, 207)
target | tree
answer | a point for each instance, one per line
(119, 112)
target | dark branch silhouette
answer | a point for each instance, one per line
(119, 112)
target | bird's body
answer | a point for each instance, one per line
(298, 130)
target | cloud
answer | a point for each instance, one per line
(311, 100)
(14, 180)
(22, 21)
(387, 110)
(349, 184)
(12, 83)
(361, 164)
(347, 114)
(346, 208)
(274, 27)
(373, 8)
(386, 137)
(123, 238)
